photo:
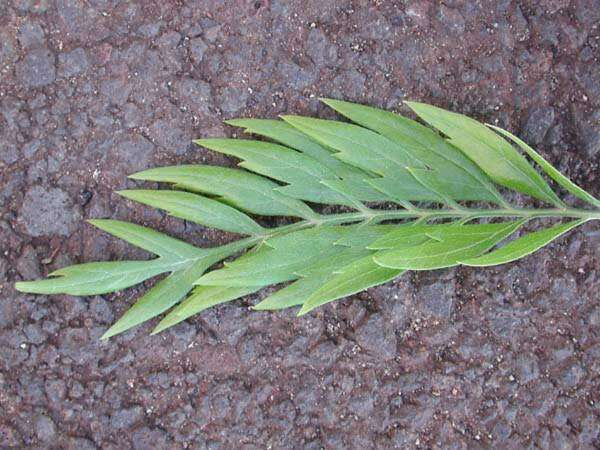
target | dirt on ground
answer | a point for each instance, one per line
(91, 91)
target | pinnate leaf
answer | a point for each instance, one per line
(404, 236)
(166, 293)
(370, 151)
(287, 135)
(357, 145)
(360, 148)
(279, 260)
(170, 290)
(322, 256)
(294, 294)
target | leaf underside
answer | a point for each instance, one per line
(455, 171)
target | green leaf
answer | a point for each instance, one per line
(294, 294)
(404, 236)
(302, 173)
(358, 146)
(185, 262)
(170, 290)
(345, 246)
(322, 271)
(287, 135)
(196, 208)
(261, 269)
(352, 256)
(153, 241)
(202, 297)
(436, 182)
(361, 189)
(522, 246)
(458, 243)
(352, 177)
(369, 151)
(403, 190)
(243, 190)
(550, 170)
(335, 260)
(351, 247)
(363, 235)
(166, 293)
(279, 260)
(490, 152)
(451, 231)
(457, 176)
(353, 278)
(331, 254)
(95, 278)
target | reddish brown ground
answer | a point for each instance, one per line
(91, 91)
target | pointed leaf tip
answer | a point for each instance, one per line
(23, 286)
(239, 122)
(107, 335)
(302, 312)
(138, 175)
(328, 101)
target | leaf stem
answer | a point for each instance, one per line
(471, 214)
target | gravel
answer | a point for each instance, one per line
(72, 63)
(30, 35)
(37, 68)
(538, 123)
(45, 429)
(48, 211)
(504, 357)
(320, 49)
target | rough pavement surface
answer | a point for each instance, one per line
(90, 91)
